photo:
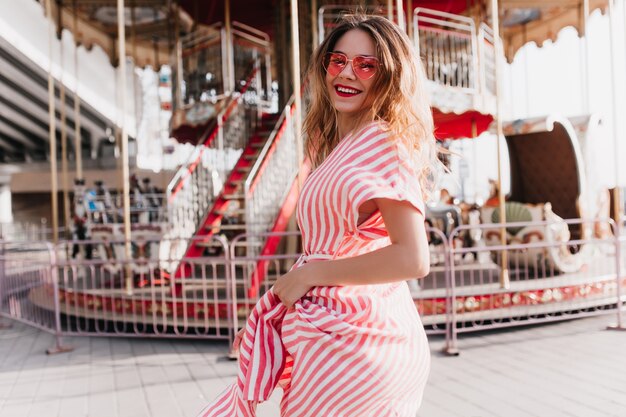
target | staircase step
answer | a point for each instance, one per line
(257, 145)
(235, 196)
(244, 170)
(226, 227)
(251, 157)
(208, 244)
(264, 133)
(230, 212)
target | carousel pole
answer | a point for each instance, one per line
(390, 10)
(584, 56)
(409, 19)
(401, 21)
(52, 133)
(77, 135)
(121, 38)
(504, 273)
(133, 43)
(617, 205)
(616, 201)
(584, 89)
(64, 167)
(178, 50)
(475, 158)
(297, 103)
(314, 33)
(230, 76)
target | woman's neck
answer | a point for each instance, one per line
(347, 123)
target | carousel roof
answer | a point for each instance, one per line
(150, 37)
(536, 21)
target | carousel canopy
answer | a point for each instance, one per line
(150, 27)
(458, 126)
(536, 21)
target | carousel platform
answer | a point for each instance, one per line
(205, 304)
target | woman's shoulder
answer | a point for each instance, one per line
(373, 133)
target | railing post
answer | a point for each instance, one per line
(3, 279)
(481, 86)
(416, 33)
(451, 347)
(231, 295)
(475, 68)
(220, 147)
(54, 276)
(225, 63)
(618, 281)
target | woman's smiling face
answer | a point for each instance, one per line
(349, 93)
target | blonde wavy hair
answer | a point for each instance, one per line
(398, 93)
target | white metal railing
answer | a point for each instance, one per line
(487, 59)
(327, 16)
(108, 209)
(253, 46)
(201, 62)
(462, 293)
(456, 54)
(25, 232)
(198, 182)
(206, 77)
(271, 176)
(448, 46)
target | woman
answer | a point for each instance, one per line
(340, 333)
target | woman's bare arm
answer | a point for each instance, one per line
(406, 257)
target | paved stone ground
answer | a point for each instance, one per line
(573, 368)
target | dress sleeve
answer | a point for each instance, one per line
(385, 171)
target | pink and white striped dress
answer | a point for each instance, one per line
(352, 351)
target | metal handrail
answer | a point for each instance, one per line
(271, 177)
(379, 10)
(274, 136)
(173, 186)
(454, 67)
(252, 34)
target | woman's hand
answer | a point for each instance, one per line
(292, 286)
(238, 337)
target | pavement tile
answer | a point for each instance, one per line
(567, 369)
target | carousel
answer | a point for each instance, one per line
(192, 260)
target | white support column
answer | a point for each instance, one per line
(6, 212)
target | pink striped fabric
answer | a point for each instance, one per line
(341, 351)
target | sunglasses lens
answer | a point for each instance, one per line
(364, 67)
(335, 63)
